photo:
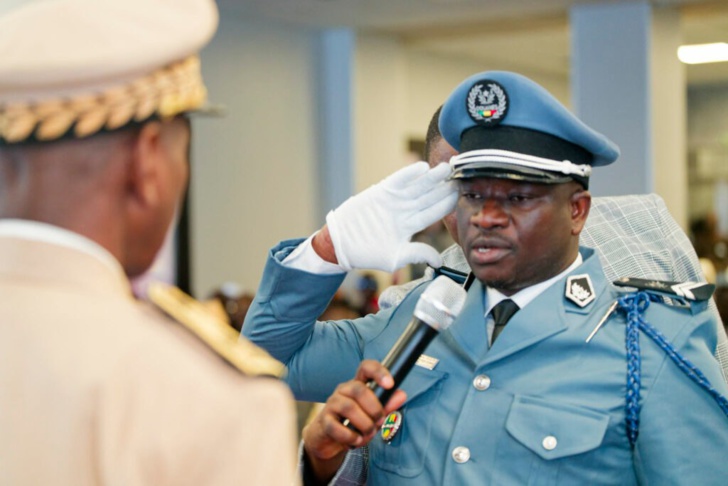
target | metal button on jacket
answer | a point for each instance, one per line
(481, 382)
(461, 454)
(549, 442)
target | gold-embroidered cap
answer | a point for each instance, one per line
(77, 67)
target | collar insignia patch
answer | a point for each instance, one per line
(579, 290)
(487, 102)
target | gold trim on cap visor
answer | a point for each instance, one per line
(166, 92)
(475, 158)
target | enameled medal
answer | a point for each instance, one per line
(391, 426)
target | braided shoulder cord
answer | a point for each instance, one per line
(634, 306)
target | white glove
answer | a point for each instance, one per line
(373, 229)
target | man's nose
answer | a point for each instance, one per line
(491, 214)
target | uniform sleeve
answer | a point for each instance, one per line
(683, 431)
(305, 258)
(353, 471)
(282, 319)
(287, 303)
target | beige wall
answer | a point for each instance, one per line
(380, 85)
(253, 171)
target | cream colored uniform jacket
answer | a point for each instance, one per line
(96, 388)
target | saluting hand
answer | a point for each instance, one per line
(374, 228)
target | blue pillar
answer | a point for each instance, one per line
(626, 82)
(610, 85)
(335, 102)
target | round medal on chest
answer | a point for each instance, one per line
(391, 426)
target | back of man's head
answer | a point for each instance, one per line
(433, 134)
(72, 68)
(91, 98)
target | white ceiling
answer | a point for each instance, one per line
(528, 35)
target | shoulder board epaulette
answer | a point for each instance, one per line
(215, 333)
(695, 291)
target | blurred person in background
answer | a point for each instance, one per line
(230, 303)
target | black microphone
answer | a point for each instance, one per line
(436, 309)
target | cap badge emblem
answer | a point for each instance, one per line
(579, 290)
(487, 102)
(391, 426)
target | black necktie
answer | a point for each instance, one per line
(502, 311)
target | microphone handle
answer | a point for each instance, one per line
(401, 358)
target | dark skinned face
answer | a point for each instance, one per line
(516, 234)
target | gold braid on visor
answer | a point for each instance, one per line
(166, 92)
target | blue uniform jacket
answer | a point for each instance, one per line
(541, 407)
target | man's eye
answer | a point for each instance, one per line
(517, 198)
(471, 196)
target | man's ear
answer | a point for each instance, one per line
(580, 203)
(143, 176)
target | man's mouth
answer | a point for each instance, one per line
(489, 252)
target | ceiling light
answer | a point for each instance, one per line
(703, 53)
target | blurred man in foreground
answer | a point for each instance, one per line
(95, 387)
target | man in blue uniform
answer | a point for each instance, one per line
(565, 395)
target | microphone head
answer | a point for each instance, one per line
(440, 303)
